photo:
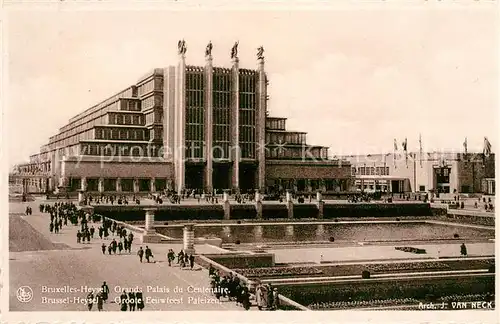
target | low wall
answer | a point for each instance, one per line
(167, 213)
(424, 289)
(243, 260)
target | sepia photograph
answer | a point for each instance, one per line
(270, 161)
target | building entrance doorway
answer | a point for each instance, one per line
(194, 177)
(247, 177)
(221, 176)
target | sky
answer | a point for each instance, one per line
(353, 79)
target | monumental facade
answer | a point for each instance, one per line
(184, 127)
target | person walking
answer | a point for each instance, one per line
(191, 261)
(105, 291)
(149, 254)
(90, 300)
(123, 301)
(100, 301)
(103, 248)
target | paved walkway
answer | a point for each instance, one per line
(84, 266)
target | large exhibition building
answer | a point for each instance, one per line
(184, 127)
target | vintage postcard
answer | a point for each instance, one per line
(306, 162)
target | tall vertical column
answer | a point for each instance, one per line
(152, 185)
(136, 185)
(188, 239)
(289, 204)
(260, 130)
(209, 123)
(235, 125)
(258, 204)
(226, 205)
(83, 184)
(180, 124)
(118, 185)
(100, 185)
(321, 204)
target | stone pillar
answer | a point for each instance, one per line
(152, 185)
(258, 204)
(136, 185)
(289, 204)
(81, 197)
(149, 235)
(226, 205)
(260, 129)
(83, 184)
(180, 124)
(235, 125)
(100, 185)
(321, 204)
(118, 184)
(188, 239)
(209, 124)
(320, 230)
(150, 219)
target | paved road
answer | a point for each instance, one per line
(83, 266)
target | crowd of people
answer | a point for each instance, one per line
(110, 199)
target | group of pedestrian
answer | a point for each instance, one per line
(147, 254)
(230, 287)
(267, 297)
(184, 259)
(28, 211)
(131, 300)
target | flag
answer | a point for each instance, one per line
(405, 148)
(420, 150)
(395, 150)
(487, 147)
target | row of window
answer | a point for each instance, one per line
(35, 168)
(153, 84)
(314, 184)
(221, 99)
(155, 116)
(129, 105)
(370, 171)
(103, 107)
(153, 101)
(278, 124)
(125, 119)
(289, 138)
(106, 133)
(134, 150)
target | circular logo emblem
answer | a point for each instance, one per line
(24, 294)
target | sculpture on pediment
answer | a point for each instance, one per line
(181, 47)
(234, 50)
(260, 53)
(208, 50)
